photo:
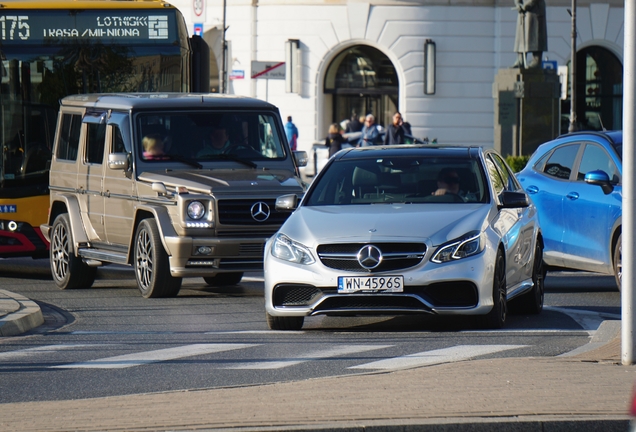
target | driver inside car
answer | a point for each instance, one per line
(219, 143)
(448, 183)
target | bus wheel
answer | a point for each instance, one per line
(68, 270)
(152, 268)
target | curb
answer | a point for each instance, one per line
(26, 317)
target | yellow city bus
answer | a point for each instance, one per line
(51, 49)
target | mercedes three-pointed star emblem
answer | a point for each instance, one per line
(260, 211)
(369, 257)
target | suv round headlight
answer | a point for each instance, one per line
(196, 210)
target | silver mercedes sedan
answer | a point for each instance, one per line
(407, 229)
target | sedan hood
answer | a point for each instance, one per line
(418, 222)
(220, 180)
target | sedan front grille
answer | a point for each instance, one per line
(395, 256)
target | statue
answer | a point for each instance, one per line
(532, 33)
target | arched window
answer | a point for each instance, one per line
(599, 90)
(362, 80)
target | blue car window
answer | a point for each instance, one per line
(561, 162)
(596, 158)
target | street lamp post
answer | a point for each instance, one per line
(224, 53)
(573, 121)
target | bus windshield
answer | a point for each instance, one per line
(48, 52)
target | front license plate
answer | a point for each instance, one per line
(370, 283)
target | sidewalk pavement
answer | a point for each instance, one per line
(585, 390)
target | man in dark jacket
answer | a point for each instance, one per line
(395, 131)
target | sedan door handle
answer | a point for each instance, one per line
(572, 196)
(532, 189)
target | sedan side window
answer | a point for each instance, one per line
(596, 158)
(561, 162)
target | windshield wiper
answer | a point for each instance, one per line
(185, 160)
(232, 157)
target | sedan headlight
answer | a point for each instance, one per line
(196, 210)
(465, 246)
(286, 249)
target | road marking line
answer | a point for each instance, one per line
(315, 355)
(277, 332)
(41, 350)
(444, 355)
(147, 357)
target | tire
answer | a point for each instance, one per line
(532, 302)
(284, 323)
(224, 279)
(68, 270)
(617, 262)
(496, 318)
(152, 268)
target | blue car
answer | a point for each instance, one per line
(575, 181)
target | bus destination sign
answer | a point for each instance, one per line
(137, 26)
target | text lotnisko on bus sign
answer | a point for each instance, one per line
(42, 26)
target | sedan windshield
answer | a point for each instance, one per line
(399, 180)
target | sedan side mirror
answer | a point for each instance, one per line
(510, 199)
(600, 178)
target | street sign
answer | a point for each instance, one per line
(549, 64)
(268, 70)
(237, 74)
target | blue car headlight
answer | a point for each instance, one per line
(286, 249)
(465, 246)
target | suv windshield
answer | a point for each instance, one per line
(195, 137)
(399, 180)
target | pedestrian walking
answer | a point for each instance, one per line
(396, 131)
(335, 139)
(370, 133)
(292, 133)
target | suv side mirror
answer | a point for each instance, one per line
(118, 161)
(301, 158)
(600, 178)
(286, 202)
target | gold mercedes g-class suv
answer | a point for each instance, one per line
(175, 185)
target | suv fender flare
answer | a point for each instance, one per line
(164, 224)
(66, 203)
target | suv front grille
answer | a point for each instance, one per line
(395, 256)
(239, 212)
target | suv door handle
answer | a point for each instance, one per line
(532, 189)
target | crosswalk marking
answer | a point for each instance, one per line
(40, 350)
(315, 355)
(146, 357)
(444, 355)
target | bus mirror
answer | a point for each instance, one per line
(118, 161)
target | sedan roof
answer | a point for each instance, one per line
(410, 151)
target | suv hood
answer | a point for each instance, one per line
(208, 181)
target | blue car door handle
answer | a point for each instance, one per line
(532, 189)
(572, 196)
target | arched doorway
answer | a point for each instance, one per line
(361, 80)
(599, 91)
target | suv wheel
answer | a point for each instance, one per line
(152, 269)
(223, 279)
(618, 262)
(68, 270)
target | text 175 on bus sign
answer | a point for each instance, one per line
(9, 208)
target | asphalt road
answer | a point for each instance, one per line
(108, 340)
